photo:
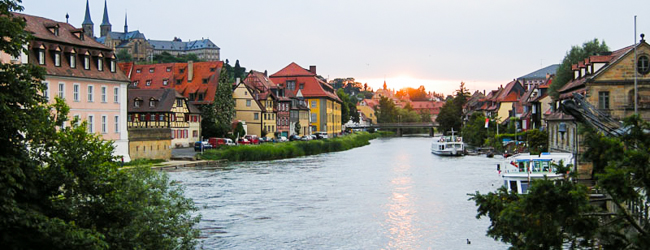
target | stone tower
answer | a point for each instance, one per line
(105, 27)
(87, 24)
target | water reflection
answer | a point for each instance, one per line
(401, 213)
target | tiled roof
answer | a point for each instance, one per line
(558, 116)
(208, 71)
(37, 26)
(165, 97)
(312, 85)
(541, 73)
(512, 97)
(513, 86)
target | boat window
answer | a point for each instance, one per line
(524, 187)
(545, 166)
(536, 166)
(513, 186)
(522, 166)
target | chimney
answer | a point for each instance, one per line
(190, 70)
(266, 73)
(312, 69)
(237, 80)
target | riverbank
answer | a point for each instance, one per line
(275, 151)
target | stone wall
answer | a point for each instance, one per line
(150, 143)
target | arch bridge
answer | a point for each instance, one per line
(399, 126)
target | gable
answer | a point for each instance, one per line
(624, 68)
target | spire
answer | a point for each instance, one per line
(126, 27)
(105, 20)
(87, 17)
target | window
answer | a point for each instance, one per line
(117, 124)
(73, 61)
(76, 118)
(169, 69)
(136, 103)
(603, 100)
(135, 83)
(179, 102)
(181, 71)
(205, 80)
(313, 104)
(100, 64)
(113, 65)
(91, 121)
(642, 66)
(200, 97)
(148, 82)
(90, 93)
(104, 90)
(86, 62)
(314, 117)
(75, 92)
(138, 70)
(178, 82)
(152, 103)
(61, 90)
(116, 95)
(104, 124)
(41, 56)
(151, 70)
(212, 69)
(57, 59)
(46, 91)
(165, 81)
(302, 86)
(291, 85)
(248, 103)
(256, 116)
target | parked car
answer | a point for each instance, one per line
(216, 142)
(265, 139)
(321, 135)
(305, 138)
(204, 144)
(243, 141)
(229, 142)
(313, 137)
(294, 138)
(253, 139)
(282, 139)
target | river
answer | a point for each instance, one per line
(391, 194)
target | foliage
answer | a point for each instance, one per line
(386, 111)
(297, 128)
(124, 56)
(557, 214)
(537, 141)
(234, 72)
(551, 215)
(474, 132)
(165, 57)
(61, 187)
(419, 94)
(272, 151)
(348, 107)
(239, 131)
(217, 117)
(142, 162)
(577, 54)
(451, 113)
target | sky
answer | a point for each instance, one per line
(407, 43)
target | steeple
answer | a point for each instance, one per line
(106, 26)
(126, 27)
(87, 24)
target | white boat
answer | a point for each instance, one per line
(519, 170)
(448, 145)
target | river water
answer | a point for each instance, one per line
(391, 194)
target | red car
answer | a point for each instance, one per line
(253, 139)
(243, 141)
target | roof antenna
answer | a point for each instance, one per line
(66, 17)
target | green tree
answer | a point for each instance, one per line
(386, 112)
(124, 56)
(577, 54)
(297, 128)
(239, 131)
(537, 141)
(451, 113)
(474, 132)
(61, 187)
(345, 107)
(224, 106)
(165, 57)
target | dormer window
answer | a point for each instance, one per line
(148, 82)
(136, 103)
(113, 65)
(643, 66)
(86, 62)
(138, 70)
(151, 70)
(57, 59)
(152, 103)
(181, 71)
(178, 82)
(212, 69)
(169, 69)
(56, 31)
(100, 64)
(205, 80)
(73, 60)
(41, 56)
(165, 82)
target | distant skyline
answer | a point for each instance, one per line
(437, 44)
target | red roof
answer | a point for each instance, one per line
(305, 81)
(512, 97)
(205, 78)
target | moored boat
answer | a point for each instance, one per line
(451, 145)
(520, 170)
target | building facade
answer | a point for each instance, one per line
(84, 73)
(248, 109)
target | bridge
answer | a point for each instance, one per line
(399, 126)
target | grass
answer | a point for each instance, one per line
(274, 151)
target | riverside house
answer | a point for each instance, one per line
(84, 73)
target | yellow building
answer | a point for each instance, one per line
(324, 104)
(366, 106)
(268, 116)
(248, 109)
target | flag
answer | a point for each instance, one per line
(487, 122)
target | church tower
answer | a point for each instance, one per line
(105, 27)
(87, 24)
(126, 27)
